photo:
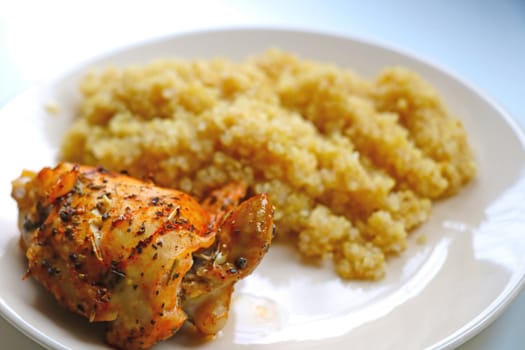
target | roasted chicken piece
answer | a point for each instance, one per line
(142, 258)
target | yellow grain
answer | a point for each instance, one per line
(351, 165)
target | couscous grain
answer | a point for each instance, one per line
(351, 165)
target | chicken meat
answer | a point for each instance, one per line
(142, 258)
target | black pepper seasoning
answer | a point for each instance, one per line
(241, 262)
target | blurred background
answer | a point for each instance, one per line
(482, 41)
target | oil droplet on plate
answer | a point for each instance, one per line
(255, 317)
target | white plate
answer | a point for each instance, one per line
(436, 295)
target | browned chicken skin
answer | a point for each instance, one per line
(146, 259)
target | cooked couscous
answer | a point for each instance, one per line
(351, 165)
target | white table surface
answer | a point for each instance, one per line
(482, 41)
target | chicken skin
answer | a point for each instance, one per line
(142, 258)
